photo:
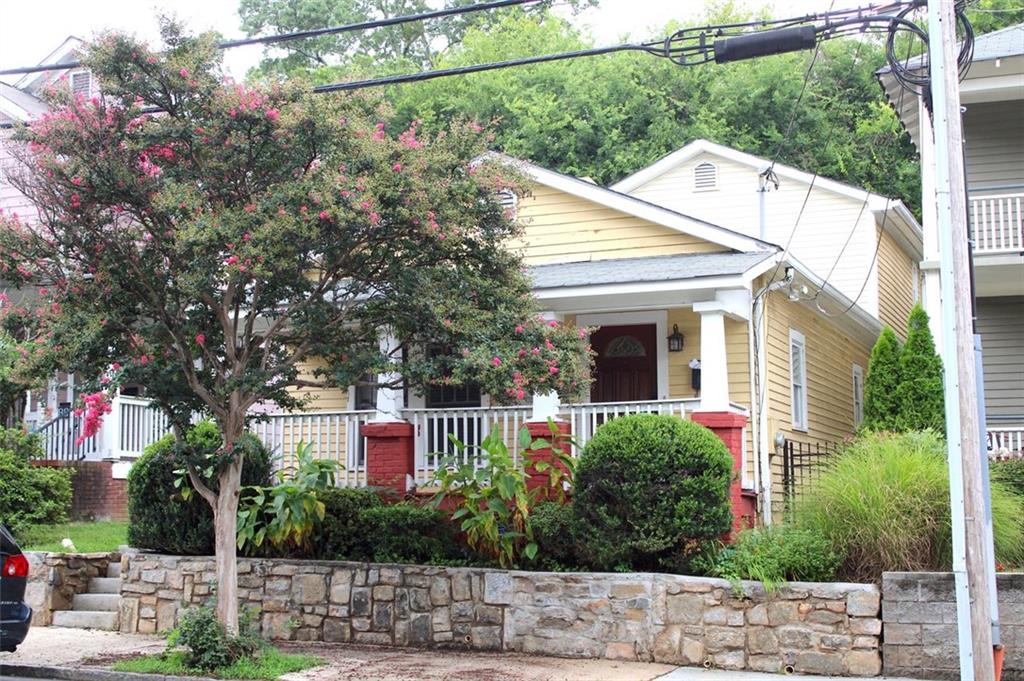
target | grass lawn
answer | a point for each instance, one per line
(88, 537)
(271, 664)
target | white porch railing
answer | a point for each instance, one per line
(998, 223)
(334, 435)
(470, 425)
(137, 425)
(432, 427)
(585, 418)
(60, 439)
(1006, 441)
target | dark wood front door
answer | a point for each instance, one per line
(626, 366)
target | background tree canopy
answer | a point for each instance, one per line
(607, 117)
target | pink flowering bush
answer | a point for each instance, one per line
(218, 248)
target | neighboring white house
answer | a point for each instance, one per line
(992, 95)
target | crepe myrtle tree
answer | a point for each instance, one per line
(211, 239)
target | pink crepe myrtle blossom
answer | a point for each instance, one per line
(397, 167)
(374, 218)
(496, 361)
(272, 115)
(201, 339)
(96, 406)
(231, 260)
(183, 73)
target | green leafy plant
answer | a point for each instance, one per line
(771, 555)
(286, 514)
(160, 517)
(491, 500)
(648, 489)
(556, 532)
(883, 503)
(21, 443)
(1009, 472)
(209, 646)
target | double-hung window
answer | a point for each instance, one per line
(798, 378)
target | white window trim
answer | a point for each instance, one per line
(798, 421)
(657, 317)
(858, 400)
(714, 170)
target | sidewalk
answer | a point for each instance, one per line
(52, 646)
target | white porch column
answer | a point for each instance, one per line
(390, 401)
(545, 406)
(108, 440)
(714, 365)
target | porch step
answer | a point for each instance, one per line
(86, 619)
(96, 602)
(114, 569)
(105, 585)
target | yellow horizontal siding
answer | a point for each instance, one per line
(895, 284)
(831, 354)
(559, 227)
(320, 399)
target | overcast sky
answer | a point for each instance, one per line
(30, 29)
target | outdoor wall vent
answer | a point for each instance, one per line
(705, 177)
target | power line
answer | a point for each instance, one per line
(313, 33)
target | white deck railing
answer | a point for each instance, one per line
(1005, 441)
(998, 223)
(432, 429)
(60, 439)
(334, 435)
(136, 423)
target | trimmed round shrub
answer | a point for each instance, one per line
(883, 503)
(342, 535)
(32, 495)
(159, 518)
(649, 488)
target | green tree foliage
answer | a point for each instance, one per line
(919, 393)
(247, 231)
(648, 488)
(881, 403)
(991, 15)
(605, 117)
(411, 45)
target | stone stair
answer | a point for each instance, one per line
(98, 607)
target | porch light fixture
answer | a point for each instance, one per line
(675, 341)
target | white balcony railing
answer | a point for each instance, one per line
(997, 222)
(333, 434)
(1006, 442)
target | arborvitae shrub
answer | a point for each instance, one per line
(881, 405)
(921, 403)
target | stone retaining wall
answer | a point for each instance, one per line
(919, 618)
(815, 628)
(55, 578)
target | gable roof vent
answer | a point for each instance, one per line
(705, 177)
(81, 83)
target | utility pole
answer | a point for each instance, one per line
(967, 498)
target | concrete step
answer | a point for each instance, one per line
(105, 585)
(86, 619)
(114, 569)
(94, 602)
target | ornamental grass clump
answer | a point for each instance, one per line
(884, 505)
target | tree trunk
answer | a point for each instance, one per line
(225, 522)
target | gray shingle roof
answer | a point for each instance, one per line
(635, 270)
(1001, 44)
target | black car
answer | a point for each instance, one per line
(14, 613)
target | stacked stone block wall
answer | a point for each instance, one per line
(55, 578)
(919, 624)
(815, 628)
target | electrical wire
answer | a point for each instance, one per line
(313, 33)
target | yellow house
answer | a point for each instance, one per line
(714, 285)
